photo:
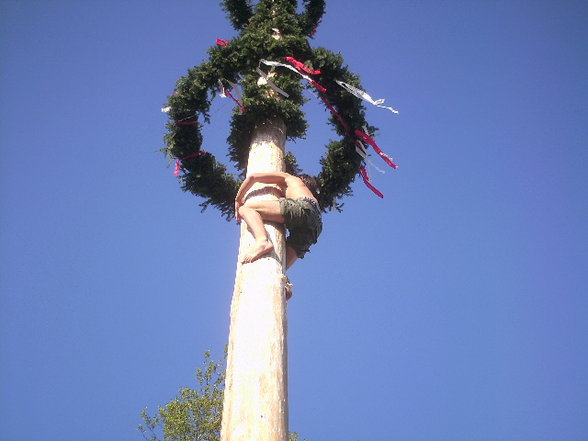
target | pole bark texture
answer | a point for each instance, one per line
(255, 404)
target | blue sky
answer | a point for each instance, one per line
(452, 310)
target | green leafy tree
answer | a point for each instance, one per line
(194, 414)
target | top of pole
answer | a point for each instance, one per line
(272, 44)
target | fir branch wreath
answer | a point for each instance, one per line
(236, 61)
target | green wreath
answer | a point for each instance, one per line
(236, 61)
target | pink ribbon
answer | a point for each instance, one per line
(318, 86)
(185, 123)
(367, 182)
(221, 42)
(301, 66)
(368, 139)
(334, 112)
(243, 109)
(313, 32)
(298, 71)
(179, 161)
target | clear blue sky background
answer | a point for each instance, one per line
(455, 309)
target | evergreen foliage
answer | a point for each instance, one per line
(237, 62)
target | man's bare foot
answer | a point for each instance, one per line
(287, 287)
(260, 249)
(288, 290)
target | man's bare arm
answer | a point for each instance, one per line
(266, 178)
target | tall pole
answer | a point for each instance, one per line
(255, 404)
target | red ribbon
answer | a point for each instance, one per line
(318, 86)
(243, 109)
(334, 112)
(367, 138)
(221, 42)
(367, 182)
(185, 123)
(301, 66)
(314, 29)
(179, 161)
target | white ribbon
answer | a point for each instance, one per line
(292, 68)
(270, 83)
(233, 86)
(362, 151)
(364, 96)
(375, 166)
(222, 89)
(237, 90)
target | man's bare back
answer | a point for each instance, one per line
(295, 189)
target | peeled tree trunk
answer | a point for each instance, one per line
(255, 404)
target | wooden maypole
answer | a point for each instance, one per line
(271, 55)
(256, 391)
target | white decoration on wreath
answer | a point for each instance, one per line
(292, 68)
(264, 79)
(365, 96)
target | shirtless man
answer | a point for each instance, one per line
(299, 211)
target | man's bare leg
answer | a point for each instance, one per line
(291, 256)
(254, 214)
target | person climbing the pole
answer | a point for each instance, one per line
(298, 211)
